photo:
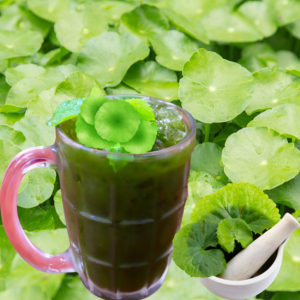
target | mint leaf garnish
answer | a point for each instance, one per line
(143, 108)
(66, 110)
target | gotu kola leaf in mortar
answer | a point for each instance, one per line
(270, 159)
(284, 119)
(214, 89)
(190, 249)
(231, 230)
(238, 201)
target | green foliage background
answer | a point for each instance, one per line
(57, 50)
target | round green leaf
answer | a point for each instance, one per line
(145, 21)
(14, 75)
(287, 194)
(273, 87)
(79, 25)
(117, 121)
(19, 43)
(115, 9)
(284, 119)
(36, 131)
(190, 250)
(288, 276)
(289, 61)
(270, 159)
(50, 10)
(206, 158)
(151, 79)
(173, 49)
(284, 12)
(214, 89)
(231, 230)
(90, 106)
(39, 188)
(109, 56)
(143, 140)
(225, 25)
(238, 201)
(88, 136)
(25, 293)
(193, 28)
(59, 206)
(77, 85)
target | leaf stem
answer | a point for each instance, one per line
(282, 210)
(207, 132)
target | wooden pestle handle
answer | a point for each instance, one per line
(250, 260)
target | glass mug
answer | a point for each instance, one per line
(120, 223)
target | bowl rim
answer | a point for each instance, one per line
(256, 279)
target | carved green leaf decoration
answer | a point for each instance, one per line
(90, 107)
(173, 49)
(19, 43)
(190, 250)
(145, 21)
(152, 79)
(208, 88)
(238, 201)
(109, 56)
(117, 121)
(50, 10)
(273, 87)
(287, 194)
(79, 25)
(231, 230)
(88, 136)
(270, 159)
(143, 140)
(284, 119)
(192, 28)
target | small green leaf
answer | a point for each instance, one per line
(36, 131)
(77, 85)
(191, 27)
(79, 25)
(35, 219)
(39, 188)
(88, 136)
(59, 206)
(287, 194)
(284, 119)
(108, 56)
(117, 121)
(143, 108)
(90, 107)
(145, 21)
(150, 78)
(209, 87)
(50, 10)
(238, 200)
(65, 111)
(19, 43)
(270, 159)
(143, 140)
(273, 87)
(231, 230)
(190, 250)
(173, 49)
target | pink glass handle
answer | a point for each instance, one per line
(21, 164)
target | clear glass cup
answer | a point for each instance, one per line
(121, 220)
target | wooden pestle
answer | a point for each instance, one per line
(250, 260)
